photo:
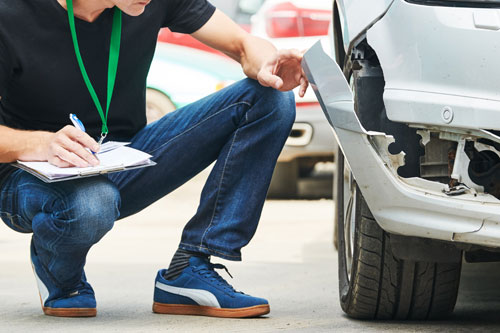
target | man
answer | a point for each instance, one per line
(49, 69)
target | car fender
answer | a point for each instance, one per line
(357, 16)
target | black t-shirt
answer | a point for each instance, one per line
(41, 82)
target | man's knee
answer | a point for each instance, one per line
(95, 211)
(285, 104)
(278, 105)
(83, 216)
(281, 108)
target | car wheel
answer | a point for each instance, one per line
(284, 184)
(336, 182)
(373, 283)
(157, 105)
(299, 179)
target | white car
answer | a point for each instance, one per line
(412, 92)
(181, 75)
(298, 24)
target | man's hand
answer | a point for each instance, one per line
(284, 72)
(67, 148)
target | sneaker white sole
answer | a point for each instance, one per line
(198, 310)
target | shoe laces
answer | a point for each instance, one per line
(209, 273)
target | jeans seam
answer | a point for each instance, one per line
(220, 186)
(60, 196)
(211, 250)
(198, 124)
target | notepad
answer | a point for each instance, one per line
(113, 156)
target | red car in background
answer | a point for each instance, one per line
(233, 8)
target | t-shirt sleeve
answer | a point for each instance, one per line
(187, 16)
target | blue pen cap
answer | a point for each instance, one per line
(76, 122)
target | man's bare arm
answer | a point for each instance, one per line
(259, 58)
(64, 148)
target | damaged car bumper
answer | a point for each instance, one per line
(405, 206)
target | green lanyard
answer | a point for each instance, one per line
(114, 51)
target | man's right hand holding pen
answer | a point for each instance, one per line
(67, 148)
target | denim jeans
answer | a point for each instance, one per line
(242, 127)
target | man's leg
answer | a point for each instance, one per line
(243, 128)
(66, 219)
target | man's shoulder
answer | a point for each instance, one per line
(19, 13)
(7, 6)
(14, 9)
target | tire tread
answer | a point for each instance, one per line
(377, 279)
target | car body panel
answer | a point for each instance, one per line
(412, 206)
(422, 80)
(356, 16)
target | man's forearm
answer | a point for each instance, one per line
(259, 58)
(22, 145)
(221, 33)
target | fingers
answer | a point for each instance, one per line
(64, 158)
(83, 138)
(68, 148)
(267, 79)
(303, 86)
(284, 72)
(266, 76)
(59, 163)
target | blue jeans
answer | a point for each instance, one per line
(242, 127)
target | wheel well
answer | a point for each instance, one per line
(369, 87)
(159, 91)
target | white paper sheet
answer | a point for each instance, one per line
(112, 156)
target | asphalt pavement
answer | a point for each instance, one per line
(291, 262)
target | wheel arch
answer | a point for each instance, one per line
(163, 92)
(338, 38)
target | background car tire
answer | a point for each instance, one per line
(381, 286)
(284, 184)
(157, 105)
(300, 179)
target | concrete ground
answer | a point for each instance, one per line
(291, 261)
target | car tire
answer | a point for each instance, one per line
(335, 191)
(297, 179)
(157, 105)
(284, 184)
(373, 283)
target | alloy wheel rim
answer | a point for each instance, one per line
(349, 217)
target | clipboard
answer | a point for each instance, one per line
(115, 157)
(48, 179)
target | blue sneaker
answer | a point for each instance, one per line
(55, 302)
(199, 290)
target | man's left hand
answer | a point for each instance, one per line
(284, 72)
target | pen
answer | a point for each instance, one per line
(78, 124)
